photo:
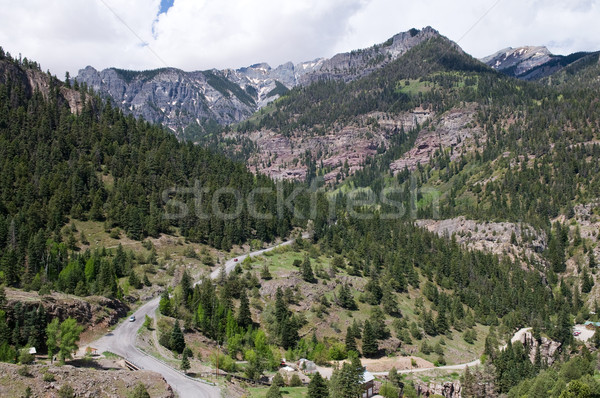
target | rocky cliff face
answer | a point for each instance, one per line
(455, 130)
(546, 346)
(340, 152)
(179, 99)
(518, 241)
(360, 63)
(529, 62)
(447, 389)
(171, 96)
(94, 311)
(33, 80)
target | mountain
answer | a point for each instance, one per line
(529, 62)
(332, 128)
(583, 73)
(202, 99)
(64, 173)
(459, 206)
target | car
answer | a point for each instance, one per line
(132, 318)
(235, 260)
(576, 333)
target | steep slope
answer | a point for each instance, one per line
(333, 128)
(98, 164)
(583, 73)
(529, 63)
(203, 99)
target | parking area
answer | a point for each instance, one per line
(581, 332)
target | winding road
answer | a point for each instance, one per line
(516, 337)
(122, 341)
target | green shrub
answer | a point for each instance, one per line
(24, 371)
(295, 381)
(388, 390)
(25, 358)
(66, 391)
(278, 380)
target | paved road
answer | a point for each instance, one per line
(461, 366)
(230, 265)
(122, 342)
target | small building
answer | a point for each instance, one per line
(368, 382)
(32, 351)
(306, 366)
(593, 324)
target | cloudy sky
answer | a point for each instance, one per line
(201, 34)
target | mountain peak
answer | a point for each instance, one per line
(526, 56)
(529, 62)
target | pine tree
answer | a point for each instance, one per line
(587, 282)
(307, 272)
(3, 300)
(345, 298)
(429, 324)
(317, 388)
(350, 341)
(273, 392)
(377, 319)
(134, 281)
(596, 338)
(164, 306)
(281, 309)
(278, 380)
(441, 324)
(265, 274)
(177, 341)
(186, 286)
(369, 342)
(244, 318)
(388, 300)
(346, 382)
(185, 362)
(592, 260)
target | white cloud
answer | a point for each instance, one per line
(200, 34)
(564, 26)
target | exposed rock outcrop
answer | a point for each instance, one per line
(92, 311)
(85, 381)
(32, 80)
(546, 346)
(447, 389)
(502, 238)
(179, 99)
(529, 62)
(356, 64)
(341, 151)
(456, 129)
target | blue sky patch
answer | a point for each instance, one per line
(165, 5)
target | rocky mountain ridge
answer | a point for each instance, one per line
(179, 99)
(33, 80)
(530, 62)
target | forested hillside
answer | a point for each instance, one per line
(103, 166)
(368, 281)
